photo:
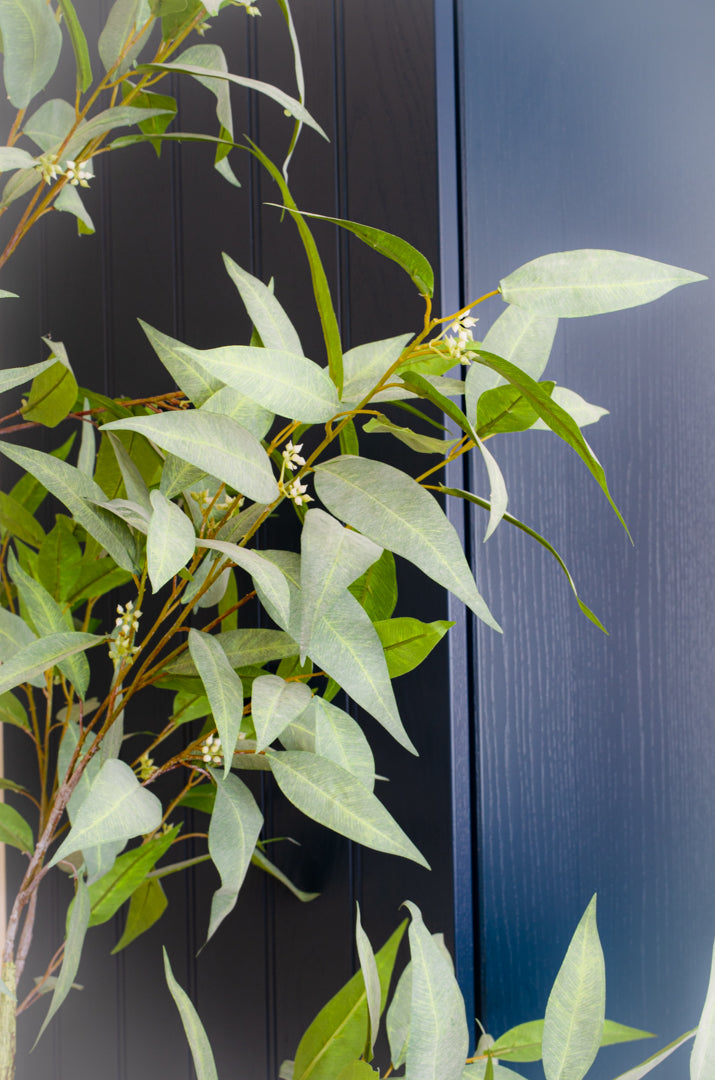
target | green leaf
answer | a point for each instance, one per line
(16, 376)
(504, 408)
(276, 703)
(568, 284)
(371, 978)
(59, 561)
(289, 385)
(555, 417)
(11, 158)
(407, 642)
(43, 654)
(49, 618)
(120, 26)
(392, 247)
(14, 635)
(394, 511)
(655, 1059)
(28, 490)
(69, 201)
(156, 125)
(79, 45)
(118, 116)
(244, 648)
(12, 712)
(148, 903)
(197, 384)
(398, 1018)
(702, 1059)
(299, 78)
(19, 522)
(32, 42)
(270, 320)
(522, 338)
(116, 808)
(196, 1036)
(14, 829)
(366, 364)
(359, 1070)
(128, 872)
(77, 921)
(136, 487)
(581, 412)
(213, 443)
(170, 541)
(87, 456)
(333, 797)
(332, 557)
(421, 444)
(260, 860)
(487, 1070)
(212, 58)
(223, 688)
(523, 1043)
(96, 578)
(337, 1034)
(439, 1036)
(284, 100)
(236, 823)
(459, 494)
(54, 391)
(575, 1011)
(266, 576)
(376, 589)
(340, 739)
(619, 1033)
(49, 124)
(71, 487)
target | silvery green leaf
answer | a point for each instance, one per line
(229, 402)
(394, 511)
(702, 1059)
(43, 654)
(77, 923)
(439, 1036)
(581, 411)
(421, 444)
(265, 312)
(49, 618)
(128, 511)
(300, 735)
(576, 1009)
(116, 808)
(223, 689)
(117, 116)
(568, 284)
(122, 22)
(14, 830)
(276, 703)
(71, 487)
(12, 377)
(178, 477)
(520, 336)
(32, 42)
(196, 1036)
(70, 202)
(655, 1059)
(398, 1018)
(14, 635)
(333, 797)
(216, 592)
(12, 157)
(170, 542)
(340, 738)
(87, 446)
(289, 385)
(211, 58)
(235, 825)
(368, 966)
(265, 574)
(365, 365)
(332, 557)
(197, 384)
(498, 497)
(244, 648)
(49, 124)
(213, 443)
(19, 184)
(134, 482)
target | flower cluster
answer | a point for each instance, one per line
(77, 175)
(49, 166)
(211, 751)
(458, 337)
(122, 646)
(297, 492)
(291, 456)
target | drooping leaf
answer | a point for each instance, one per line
(72, 488)
(421, 444)
(128, 872)
(575, 1011)
(407, 642)
(223, 688)
(41, 655)
(236, 823)
(702, 1059)
(16, 376)
(155, 125)
(655, 1059)
(14, 829)
(116, 808)
(53, 391)
(337, 1034)
(259, 859)
(170, 541)
(299, 78)
(77, 921)
(211, 442)
(32, 42)
(567, 284)
(147, 905)
(79, 45)
(196, 1036)
(376, 589)
(212, 58)
(276, 703)
(394, 511)
(333, 797)
(371, 978)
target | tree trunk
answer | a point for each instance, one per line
(7, 1024)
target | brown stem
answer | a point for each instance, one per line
(26, 936)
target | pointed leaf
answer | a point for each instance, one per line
(581, 412)
(87, 456)
(32, 42)
(118, 116)
(265, 574)
(340, 738)
(421, 444)
(137, 490)
(394, 511)
(276, 703)
(170, 541)
(524, 339)
(197, 383)
(244, 648)
(196, 1036)
(79, 45)
(575, 1011)
(333, 797)
(77, 921)
(223, 688)
(116, 808)
(12, 712)
(54, 391)
(370, 975)
(128, 872)
(14, 829)
(211, 442)
(332, 557)
(236, 823)
(407, 642)
(655, 1059)
(567, 284)
(43, 654)
(376, 589)
(702, 1059)
(260, 860)
(16, 376)
(270, 320)
(147, 905)
(523, 1043)
(398, 1018)
(504, 408)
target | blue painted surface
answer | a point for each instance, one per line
(590, 126)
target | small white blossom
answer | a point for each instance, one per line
(49, 167)
(77, 175)
(458, 336)
(291, 456)
(211, 751)
(122, 645)
(297, 492)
